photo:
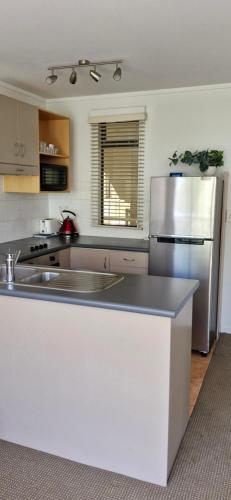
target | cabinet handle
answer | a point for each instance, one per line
(16, 148)
(129, 260)
(19, 169)
(105, 263)
(22, 149)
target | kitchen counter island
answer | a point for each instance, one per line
(101, 379)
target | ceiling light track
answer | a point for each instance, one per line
(52, 78)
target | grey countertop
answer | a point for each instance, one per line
(152, 295)
(140, 294)
(56, 243)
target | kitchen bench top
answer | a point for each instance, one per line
(153, 295)
(56, 243)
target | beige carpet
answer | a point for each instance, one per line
(202, 470)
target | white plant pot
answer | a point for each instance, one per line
(210, 172)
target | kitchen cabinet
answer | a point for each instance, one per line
(128, 262)
(28, 134)
(64, 258)
(18, 137)
(52, 129)
(114, 261)
(8, 131)
(95, 259)
(60, 258)
(90, 258)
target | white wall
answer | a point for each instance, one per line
(20, 213)
(193, 118)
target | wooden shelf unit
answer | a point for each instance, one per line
(53, 129)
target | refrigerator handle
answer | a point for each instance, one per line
(180, 240)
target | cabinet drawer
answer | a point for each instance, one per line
(120, 259)
(13, 169)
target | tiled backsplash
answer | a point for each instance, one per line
(20, 214)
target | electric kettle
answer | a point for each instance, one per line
(68, 226)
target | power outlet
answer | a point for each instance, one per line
(228, 215)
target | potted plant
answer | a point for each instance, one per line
(205, 158)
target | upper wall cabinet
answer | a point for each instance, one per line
(52, 129)
(55, 130)
(18, 137)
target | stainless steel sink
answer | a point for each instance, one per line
(67, 280)
(73, 281)
(85, 281)
(43, 277)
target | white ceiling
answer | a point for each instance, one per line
(165, 43)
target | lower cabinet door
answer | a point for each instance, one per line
(128, 262)
(90, 258)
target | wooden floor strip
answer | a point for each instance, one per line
(199, 368)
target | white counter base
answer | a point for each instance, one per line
(102, 387)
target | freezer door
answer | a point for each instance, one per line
(184, 206)
(180, 258)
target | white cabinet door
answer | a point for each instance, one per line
(128, 262)
(9, 146)
(90, 258)
(64, 258)
(28, 134)
(18, 137)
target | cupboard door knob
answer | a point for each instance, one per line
(16, 148)
(22, 149)
(129, 260)
(105, 263)
(19, 170)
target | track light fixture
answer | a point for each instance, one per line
(73, 77)
(95, 75)
(117, 73)
(50, 79)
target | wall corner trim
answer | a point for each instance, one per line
(21, 94)
(143, 93)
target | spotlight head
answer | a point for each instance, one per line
(117, 73)
(84, 62)
(73, 77)
(50, 79)
(95, 75)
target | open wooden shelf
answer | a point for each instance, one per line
(53, 129)
(51, 155)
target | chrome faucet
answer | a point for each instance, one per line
(11, 260)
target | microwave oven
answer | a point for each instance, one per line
(53, 177)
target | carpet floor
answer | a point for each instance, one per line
(202, 469)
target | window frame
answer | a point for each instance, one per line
(99, 146)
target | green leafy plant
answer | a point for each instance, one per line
(205, 159)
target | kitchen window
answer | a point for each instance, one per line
(117, 173)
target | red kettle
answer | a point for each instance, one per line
(68, 226)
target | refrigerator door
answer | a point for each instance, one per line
(184, 258)
(183, 206)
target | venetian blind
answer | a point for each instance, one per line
(118, 173)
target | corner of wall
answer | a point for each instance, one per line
(22, 95)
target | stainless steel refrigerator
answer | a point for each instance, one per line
(185, 224)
